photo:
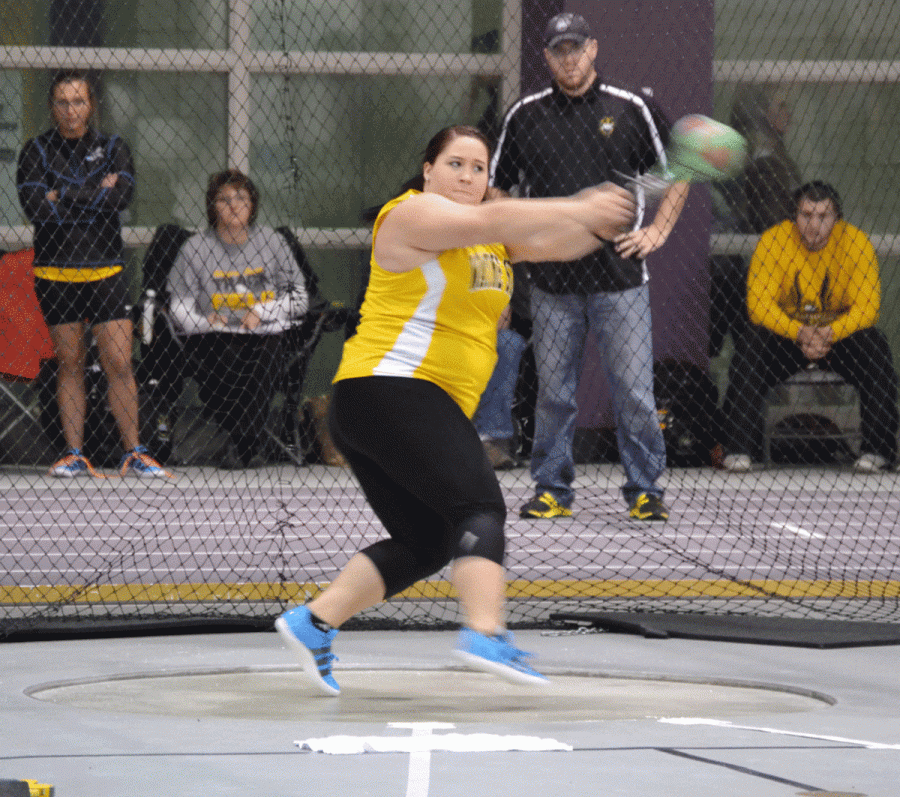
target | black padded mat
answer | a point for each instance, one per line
(794, 632)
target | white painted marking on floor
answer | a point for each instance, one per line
(798, 530)
(821, 737)
(419, 778)
(448, 742)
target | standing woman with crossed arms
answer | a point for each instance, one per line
(73, 183)
(410, 380)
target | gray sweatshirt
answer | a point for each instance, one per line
(211, 276)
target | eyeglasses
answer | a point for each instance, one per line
(233, 199)
(76, 104)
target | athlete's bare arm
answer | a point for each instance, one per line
(567, 228)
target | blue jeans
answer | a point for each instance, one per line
(621, 323)
(493, 418)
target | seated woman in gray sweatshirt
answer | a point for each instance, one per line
(235, 288)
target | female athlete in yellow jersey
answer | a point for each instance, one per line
(410, 380)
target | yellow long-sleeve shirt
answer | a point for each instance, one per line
(789, 287)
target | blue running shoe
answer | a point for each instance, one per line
(73, 464)
(312, 646)
(497, 655)
(138, 462)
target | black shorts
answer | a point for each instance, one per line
(93, 302)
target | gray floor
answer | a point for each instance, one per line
(223, 715)
(794, 527)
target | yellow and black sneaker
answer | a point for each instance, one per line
(544, 506)
(648, 507)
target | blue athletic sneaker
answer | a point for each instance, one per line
(138, 462)
(497, 655)
(72, 464)
(312, 646)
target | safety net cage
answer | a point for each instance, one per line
(188, 194)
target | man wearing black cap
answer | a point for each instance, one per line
(580, 132)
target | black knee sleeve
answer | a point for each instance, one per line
(482, 535)
(401, 565)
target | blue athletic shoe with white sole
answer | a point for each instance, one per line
(138, 462)
(73, 464)
(497, 655)
(312, 646)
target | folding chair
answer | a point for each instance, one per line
(161, 367)
(164, 364)
(321, 317)
(813, 393)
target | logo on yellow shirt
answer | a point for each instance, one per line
(490, 273)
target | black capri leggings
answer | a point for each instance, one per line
(424, 472)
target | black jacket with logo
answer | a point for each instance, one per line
(83, 228)
(555, 145)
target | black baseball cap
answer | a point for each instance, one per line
(566, 27)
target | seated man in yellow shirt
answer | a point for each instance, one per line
(813, 295)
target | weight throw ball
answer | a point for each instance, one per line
(702, 149)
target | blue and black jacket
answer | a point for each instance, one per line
(83, 228)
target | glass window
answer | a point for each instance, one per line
(842, 133)
(175, 124)
(426, 26)
(806, 30)
(328, 147)
(10, 143)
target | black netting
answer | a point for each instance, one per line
(215, 348)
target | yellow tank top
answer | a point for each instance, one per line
(437, 322)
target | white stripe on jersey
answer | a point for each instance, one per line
(412, 343)
(637, 100)
(492, 170)
(648, 118)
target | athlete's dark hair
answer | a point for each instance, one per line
(818, 191)
(439, 141)
(72, 76)
(237, 179)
